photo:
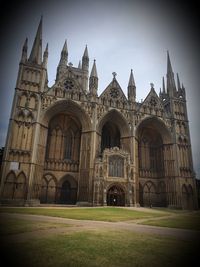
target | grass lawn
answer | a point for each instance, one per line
(11, 226)
(100, 248)
(97, 214)
(187, 221)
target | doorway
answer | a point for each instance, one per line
(115, 196)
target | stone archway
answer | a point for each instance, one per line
(113, 131)
(155, 161)
(67, 191)
(115, 196)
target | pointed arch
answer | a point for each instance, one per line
(67, 190)
(48, 189)
(116, 195)
(149, 194)
(9, 185)
(118, 118)
(20, 186)
(70, 107)
(157, 124)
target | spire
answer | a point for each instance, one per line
(169, 65)
(163, 85)
(36, 52)
(178, 82)
(45, 56)
(86, 53)
(93, 85)
(24, 51)
(131, 88)
(85, 60)
(94, 70)
(64, 55)
(131, 79)
(171, 86)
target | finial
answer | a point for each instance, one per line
(152, 85)
(70, 64)
(114, 75)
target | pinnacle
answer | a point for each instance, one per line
(94, 70)
(131, 79)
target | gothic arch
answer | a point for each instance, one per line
(20, 186)
(156, 124)
(23, 99)
(149, 194)
(70, 107)
(48, 189)
(33, 101)
(116, 195)
(67, 190)
(118, 118)
(9, 185)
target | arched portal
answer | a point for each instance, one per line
(155, 161)
(67, 191)
(115, 196)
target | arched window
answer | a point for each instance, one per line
(110, 136)
(68, 145)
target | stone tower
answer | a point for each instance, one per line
(68, 145)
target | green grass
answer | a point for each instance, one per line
(9, 226)
(101, 248)
(189, 221)
(97, 214)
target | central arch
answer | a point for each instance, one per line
(115, 196)
(113, 131)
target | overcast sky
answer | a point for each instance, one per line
(121, 35)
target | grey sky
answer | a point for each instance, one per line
(121, 35)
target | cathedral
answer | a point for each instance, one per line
(66, 144)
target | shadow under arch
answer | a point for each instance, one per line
(155, 123)
(116, 117)
(67, 190)
(116, 195)
(70, 107)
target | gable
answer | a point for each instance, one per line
(69, 82)
(113, 92)
(152, 100)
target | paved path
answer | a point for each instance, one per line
(80, 225)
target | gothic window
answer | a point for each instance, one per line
(68, 145)
(114, 92)
(69, 85)
(110, 136)
(116, 166)
(153, 101)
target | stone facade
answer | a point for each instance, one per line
(67, 145)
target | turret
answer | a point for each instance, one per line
(131, 88)
(93, 85)
(36, 52)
